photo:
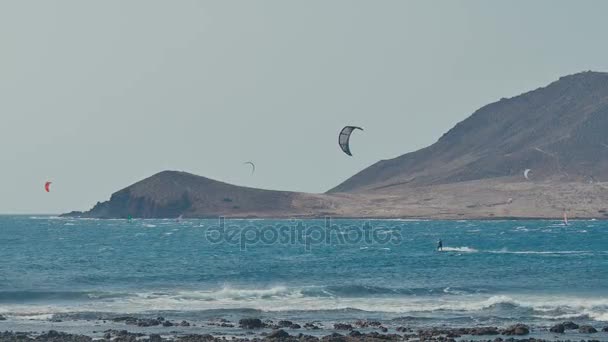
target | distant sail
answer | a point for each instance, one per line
(565, 218)
(252, 166)
(526, 171)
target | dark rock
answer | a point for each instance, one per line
(517, 329)
(251, 323)
(335, 337)
(605, 329)
(570, 325)
(197, 338)
(155, 338)
(167, 324)
(354, 333)
(587, 329)
(285, 324)
(184, 324)
(307, 338)
(126, 319)
(343, 326)
(311, 326)
(366, 324)
(2, 318)
(278, 334)
(481, 331)
(148, 322)
(55, 336)
(558, 328)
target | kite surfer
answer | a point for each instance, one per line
(440, 245)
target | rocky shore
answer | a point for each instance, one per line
(254, 329)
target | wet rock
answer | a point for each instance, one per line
(335, 337)
(155, 338)
(570, 325)
(307, 338)
(605, 329)
(587, 329)
(355, 333)
(2, 318)
(404, 329)
(167, 324)
(480, 331)
(558, 328)
(311, 326)
(295, 326)
(285, 324)
(343, 326)
(197, 338)
(126, 319)
(278, 334)
(383, 329)
(366, 324)
(184, 324)
(148, 322)
(251, 323)
(55, 336)
(517, 329)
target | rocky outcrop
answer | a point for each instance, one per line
(587, 329)
(517, 330)
(558, 328)
(251, 323)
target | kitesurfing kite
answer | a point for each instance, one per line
(526, 174)
(344, 138)
(47, 186)
(252, 166)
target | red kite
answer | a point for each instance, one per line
(47, 186)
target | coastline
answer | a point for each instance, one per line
(129, 328)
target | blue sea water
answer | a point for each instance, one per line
(490, 272)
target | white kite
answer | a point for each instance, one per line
(526, 173)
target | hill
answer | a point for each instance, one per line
(170, 194)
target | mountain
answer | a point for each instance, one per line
(559, 132)
(473, 171)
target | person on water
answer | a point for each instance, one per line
(440, 245)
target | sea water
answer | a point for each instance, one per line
(489, 273)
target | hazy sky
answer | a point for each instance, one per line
(95, 95)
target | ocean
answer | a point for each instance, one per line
(72, 273)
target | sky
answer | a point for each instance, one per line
(96, 95)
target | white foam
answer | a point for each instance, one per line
(464, 249)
